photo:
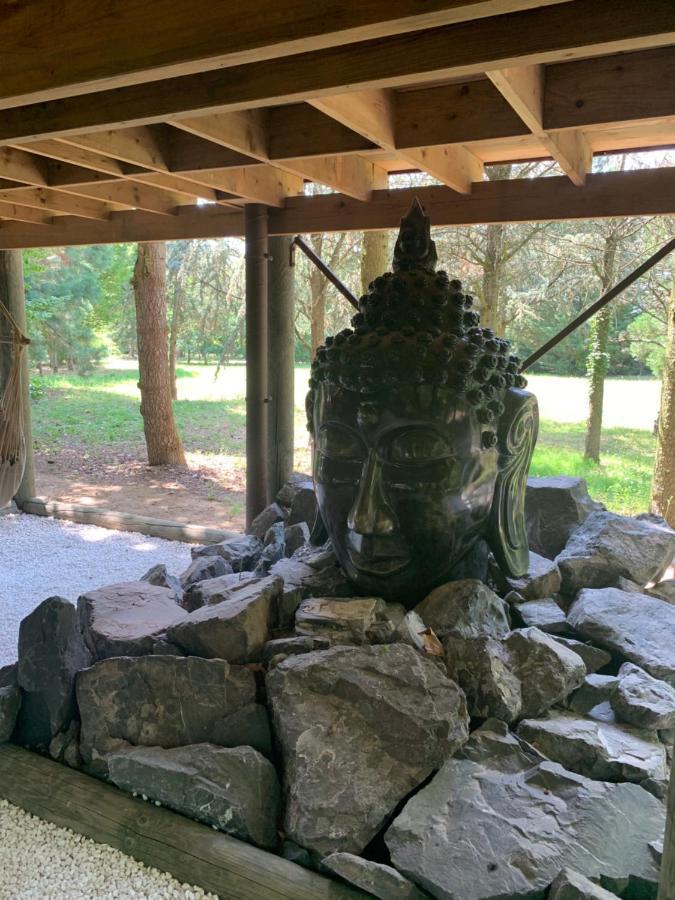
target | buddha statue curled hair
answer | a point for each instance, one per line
(417, 397)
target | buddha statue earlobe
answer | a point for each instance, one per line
(516, 437)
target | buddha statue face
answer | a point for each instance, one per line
(422, 432)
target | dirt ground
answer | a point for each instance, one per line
(203, 494)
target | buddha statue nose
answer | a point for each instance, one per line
(371, 512)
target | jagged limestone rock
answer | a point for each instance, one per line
(548, 671)
(51, 652)
(554, 507)
(358, 729)
(639, 628)
(643, 701)
(482, 667)
(234, 789)
(165, 701)
(466, 608)
(600, 750)
(379, 880)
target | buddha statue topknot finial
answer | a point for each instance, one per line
(422, 431)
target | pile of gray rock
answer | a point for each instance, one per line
(498, 739)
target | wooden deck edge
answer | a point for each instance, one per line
(191, 852)
(121, 521)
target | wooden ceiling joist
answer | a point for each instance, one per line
(571, 30)
(59, 202)
(638, 192)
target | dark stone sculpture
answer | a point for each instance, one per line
(423, 432)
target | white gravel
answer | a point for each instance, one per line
(41, 557)
(39, 861)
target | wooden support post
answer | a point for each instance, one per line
(12, 295)
(281, 319)
(255, 215)
(667, 885)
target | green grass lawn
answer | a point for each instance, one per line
(101, 411)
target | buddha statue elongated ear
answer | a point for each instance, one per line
(516, 437)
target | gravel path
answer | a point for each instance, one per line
(41, 557)
(39, 861)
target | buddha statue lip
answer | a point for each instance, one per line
(377, 555)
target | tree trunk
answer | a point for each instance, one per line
(176, 313)
(374, 256)
(12, 295)
(597, 354)
(161, 435)
(490, 312)
(663, 484)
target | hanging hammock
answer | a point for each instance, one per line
(12, 441)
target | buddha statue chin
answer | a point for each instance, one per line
(422, 432)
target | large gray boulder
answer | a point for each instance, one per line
(543, 614)
(10, 701)
(303, 504)
(165, 701)
(548, 671)
(236, 629)
(235, 790)
(264, 520)
(482, 667)
(466, 608)
(643, 701)
(554, 507)
(606, 546)
(126, 619)
(242, 551)
(639, 628)
(211, 591)
(542, 579)
(504, 825)
(570, 885)
(379, 880)
(51, 652)
(358, 729)
(599, 750)
(203, 568)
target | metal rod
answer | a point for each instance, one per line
(598, 305)
(328, 272)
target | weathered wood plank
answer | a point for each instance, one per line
(120, 521)
(192, 852)
(545, 35)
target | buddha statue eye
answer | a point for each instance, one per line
(337, 442)
(416, 446)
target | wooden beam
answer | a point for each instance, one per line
(155, 836)
(76, 155)
(140, 145)
(605, 195)
(350, 175)
(523, 88)
(553, 34)
(245, 131)
(299, 130)
(23, 214)
(58, 202)
(21, 166)
(372, 114)
(137, 196)
(259, 184)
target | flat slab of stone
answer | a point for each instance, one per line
(51, 652)
(599, 750)
(543, 614)
(607, 546)
(493, 828)
(358, 729)
(343, 621)
(466, 608)
(643, 701)
(165, 701)
(639, 628)
(379, 880)
(235, 790)
(570, 885)
(125, 619)
(236, 629)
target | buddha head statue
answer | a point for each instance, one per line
(422, 431)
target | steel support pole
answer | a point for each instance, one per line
(255, 218)
(281, 337)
